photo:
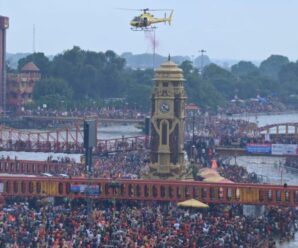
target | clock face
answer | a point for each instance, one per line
(164, 107)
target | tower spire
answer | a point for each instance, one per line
(169, 57)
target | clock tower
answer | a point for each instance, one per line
(167, 123)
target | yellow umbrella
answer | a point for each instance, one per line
(214, 179)
(210, 174)
(207, 171)
(225, 180)
(192, 203)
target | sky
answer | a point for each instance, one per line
(226, 29)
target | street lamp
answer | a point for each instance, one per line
(202, 51)
(114, 185)
(193, 134)
(193, 128)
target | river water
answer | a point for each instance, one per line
(117, 131)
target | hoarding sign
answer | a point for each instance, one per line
(284, 149)
(85, 189)
(258, 148)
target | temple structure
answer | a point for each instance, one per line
(20, 86)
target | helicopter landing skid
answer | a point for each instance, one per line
(144, 29)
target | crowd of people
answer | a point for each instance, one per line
(218, 127)
(257, 105)
(291, 162)
(237, 174)
(103, 112)
(140, 224)
(123, 164)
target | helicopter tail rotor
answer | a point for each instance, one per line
(169, 20)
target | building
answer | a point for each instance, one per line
(20, 86)
(4, 23)
(167, 124)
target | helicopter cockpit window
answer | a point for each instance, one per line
(136, 19)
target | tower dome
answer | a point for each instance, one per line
(168, 71)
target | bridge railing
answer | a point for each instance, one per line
(70, 146)
(154, 190)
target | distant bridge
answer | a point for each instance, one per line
(75, 119)
(289, 128)
(66, 140)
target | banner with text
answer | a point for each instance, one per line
(258, 148)
(86, 189)
(284, 149)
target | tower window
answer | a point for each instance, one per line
(164, 134)
(165, 84)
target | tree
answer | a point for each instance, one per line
(202, 60)
(199, 90)
(243, 68)
(222, 80)
(139, 97)
(187, 68)
(272, 66)
(289, 73)
(288, 78)
(52, 91)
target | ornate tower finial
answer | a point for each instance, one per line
(169, 57)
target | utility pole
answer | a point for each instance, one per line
(202, 51)
(90, 138)
(193, 135)
(33, 40)
(154, 49)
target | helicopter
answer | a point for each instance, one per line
(145, 21)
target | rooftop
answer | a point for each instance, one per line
(30, 67)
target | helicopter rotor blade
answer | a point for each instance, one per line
(160, 9)
(130, 9)
(146, 9)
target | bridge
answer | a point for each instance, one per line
(149, 190)
(70, 140)
(72, 120)
(22, 178)
(66, 140)
(289, 128)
